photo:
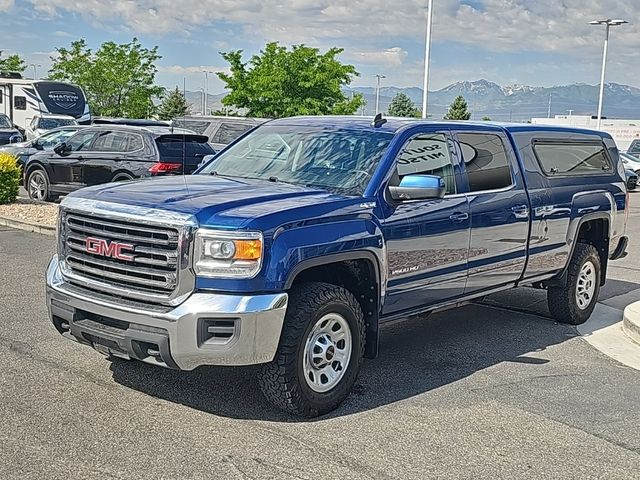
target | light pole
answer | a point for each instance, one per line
(427, 59)
(35, 70)
(608, 24)
(206, 89)
(378, 78)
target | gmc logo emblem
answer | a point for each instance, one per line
(99, 246)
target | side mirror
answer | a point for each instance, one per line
(418, 187)
(61, 148)
(37, 145)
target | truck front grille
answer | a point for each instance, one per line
(134, 258)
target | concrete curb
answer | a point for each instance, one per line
(28, 226)
(631, 322)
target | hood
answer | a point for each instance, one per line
(225, 202)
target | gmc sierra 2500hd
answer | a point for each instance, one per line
(292, 245)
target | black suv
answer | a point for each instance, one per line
(112, 153)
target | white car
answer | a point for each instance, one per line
(44, 122)
(630, 162)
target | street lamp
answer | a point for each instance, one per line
(608, 24)
(378, 78)
(427, 59)
(35, 70)
(206, 89)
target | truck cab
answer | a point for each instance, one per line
(291, 247)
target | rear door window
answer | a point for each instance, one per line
(634, 148)
(572, 158)
(485, 160)
(228, 132)
(197, 126)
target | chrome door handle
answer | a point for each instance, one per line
(459, 217)
(520, 211)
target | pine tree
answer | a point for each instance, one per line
(173, 105)
(458, 110)
(402, 106)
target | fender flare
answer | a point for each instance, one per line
(561, 278)
(372, 324)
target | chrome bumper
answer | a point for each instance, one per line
(206, 329)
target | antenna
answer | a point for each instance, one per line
(378, 121)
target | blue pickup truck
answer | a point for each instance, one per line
(292, 245)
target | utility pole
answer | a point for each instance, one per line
(608, 24)
(427, 60)
(549, 109)
(206, 90)
(378, 78)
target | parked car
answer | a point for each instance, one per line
(630, 162)
(220, 130)
(112, 153)
(46, 141)
(44, 122)
(292, 246)
(632, 179)
(9, 133)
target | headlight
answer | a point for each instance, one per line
(227, 254)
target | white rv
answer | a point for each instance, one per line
(22, 99)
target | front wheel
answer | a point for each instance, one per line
(320, 351)
(574, 302)
(38, 186)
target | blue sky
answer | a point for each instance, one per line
(534, 42)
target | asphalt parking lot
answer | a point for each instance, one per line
(493, 390)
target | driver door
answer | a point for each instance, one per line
(66, 171)
(427, 240)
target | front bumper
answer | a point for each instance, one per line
(206, 329)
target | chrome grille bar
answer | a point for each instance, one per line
(153, 263)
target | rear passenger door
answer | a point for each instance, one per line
(427, 240)
(499, 207)
(112, 153)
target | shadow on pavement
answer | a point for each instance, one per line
(416, 356)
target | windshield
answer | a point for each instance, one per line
(4, 122)
(49, 123)
(337, 160)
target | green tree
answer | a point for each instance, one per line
(486, 119)
(173, 105)
(458, 110)
(118, 79)
(402, 106)
(280, 82)
(13, 63)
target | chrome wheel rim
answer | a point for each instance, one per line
(327, 352)
(37, 186)
(586, 287)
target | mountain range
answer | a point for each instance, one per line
(501, 103)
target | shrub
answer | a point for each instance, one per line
(9, 178)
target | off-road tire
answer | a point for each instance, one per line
(562, 300)
(282, 380)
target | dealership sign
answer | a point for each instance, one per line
(64, 99)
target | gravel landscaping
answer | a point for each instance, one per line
(30, 211)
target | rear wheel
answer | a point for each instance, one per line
(574, 302)
(122, 177)
(38, 186)
(320, 351)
